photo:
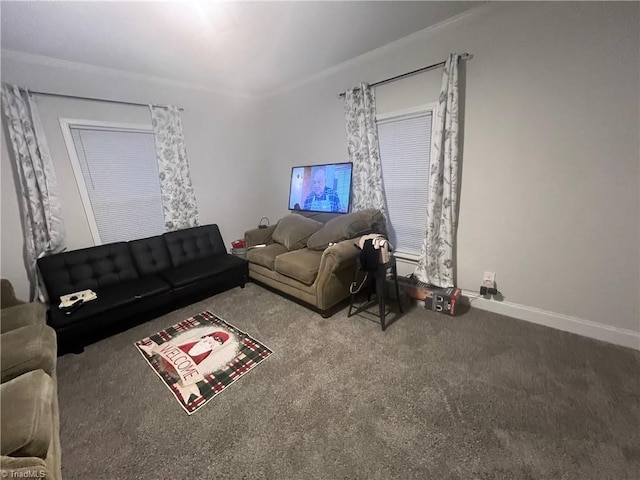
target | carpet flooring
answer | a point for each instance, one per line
(478, 396)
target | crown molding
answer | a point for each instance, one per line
(40, 60)
(408, 39)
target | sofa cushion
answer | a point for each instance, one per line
(32, 347)
(32, 313)
(322, 217)
(26, 404)
(202, 269)
(265, 256)
(150, 255)
(89, 268)
(293, 231)
(193, 244)
(111, 298)
(301, 265)
(347, 226)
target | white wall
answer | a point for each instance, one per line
(217, 128)
(550, 179)
(551, 162)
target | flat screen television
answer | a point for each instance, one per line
(321, 188)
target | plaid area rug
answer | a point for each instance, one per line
(200, 357)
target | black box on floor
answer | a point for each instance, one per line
(441, 300)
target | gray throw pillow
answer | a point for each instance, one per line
(347, 226)
(293, 231)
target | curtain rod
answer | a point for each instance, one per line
(98, 99)
(408, 74)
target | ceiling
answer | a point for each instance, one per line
(252, 48)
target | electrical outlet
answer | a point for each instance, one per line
(489, 280)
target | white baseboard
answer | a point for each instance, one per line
(567, 323)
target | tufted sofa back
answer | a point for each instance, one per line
(104, 265)
(92, 268)
(193, 244)
(150, 255)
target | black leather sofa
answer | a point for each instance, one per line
(136, 281)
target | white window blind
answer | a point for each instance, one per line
(120, 173)
(405, 146)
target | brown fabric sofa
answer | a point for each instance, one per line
(310, 258)
(29, 423)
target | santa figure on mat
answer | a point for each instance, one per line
(202, 347)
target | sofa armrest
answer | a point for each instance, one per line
(26, 349)
(339, 255)
(7, 294)
(32, 313)
(336, 272)
(258, 236)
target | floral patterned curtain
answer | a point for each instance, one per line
(38, 189)
(178, 199)
(436, 263)
(362, 145)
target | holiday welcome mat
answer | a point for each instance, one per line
(201, 356)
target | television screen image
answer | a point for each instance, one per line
(321, 188)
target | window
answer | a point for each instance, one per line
(117, 174)
(405, 147)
